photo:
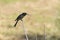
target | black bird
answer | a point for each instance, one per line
(20, 17)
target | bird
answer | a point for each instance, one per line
(20, 17)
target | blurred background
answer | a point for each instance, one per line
(44, 16)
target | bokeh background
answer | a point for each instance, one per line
(42, 14)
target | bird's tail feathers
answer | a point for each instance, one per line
(15, 23)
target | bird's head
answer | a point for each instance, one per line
(24, 13)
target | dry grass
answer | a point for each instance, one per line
(42, 12)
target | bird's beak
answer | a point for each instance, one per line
(28, 14)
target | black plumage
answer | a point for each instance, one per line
(20, 17)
